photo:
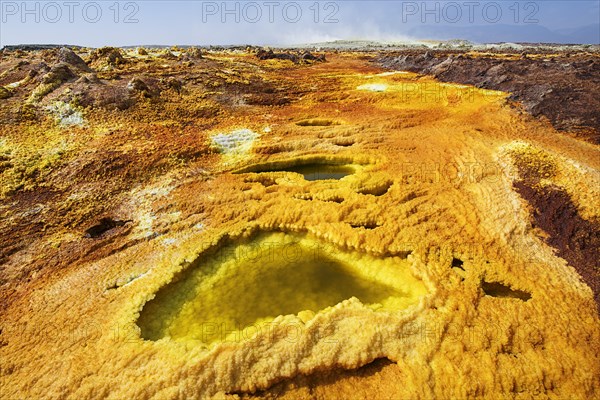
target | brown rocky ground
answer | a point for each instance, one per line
(122, 169)
(559, 86)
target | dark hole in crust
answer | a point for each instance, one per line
(344, 142)
(365, 225)
(496, 289)
(103, 226)
(378, 190)
(334, 200)
(457, 263)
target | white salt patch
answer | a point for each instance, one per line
(135, 278)
(65, 114)
(374, 87)
(145, 225)
(390, 73)
(141, 202)
(169, 241)
(237, 142)
(15, 84)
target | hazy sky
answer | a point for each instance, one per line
(99, 23)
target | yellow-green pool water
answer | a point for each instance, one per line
(245, 284)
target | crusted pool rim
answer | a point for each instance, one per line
(381, 283)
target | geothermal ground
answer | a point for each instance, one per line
(242, 223)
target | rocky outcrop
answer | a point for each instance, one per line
(106, 57)
(268, 54)
(69, 57)
(553, 87)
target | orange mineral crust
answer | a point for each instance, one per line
(186, 224)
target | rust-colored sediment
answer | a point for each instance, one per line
(576, 239)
